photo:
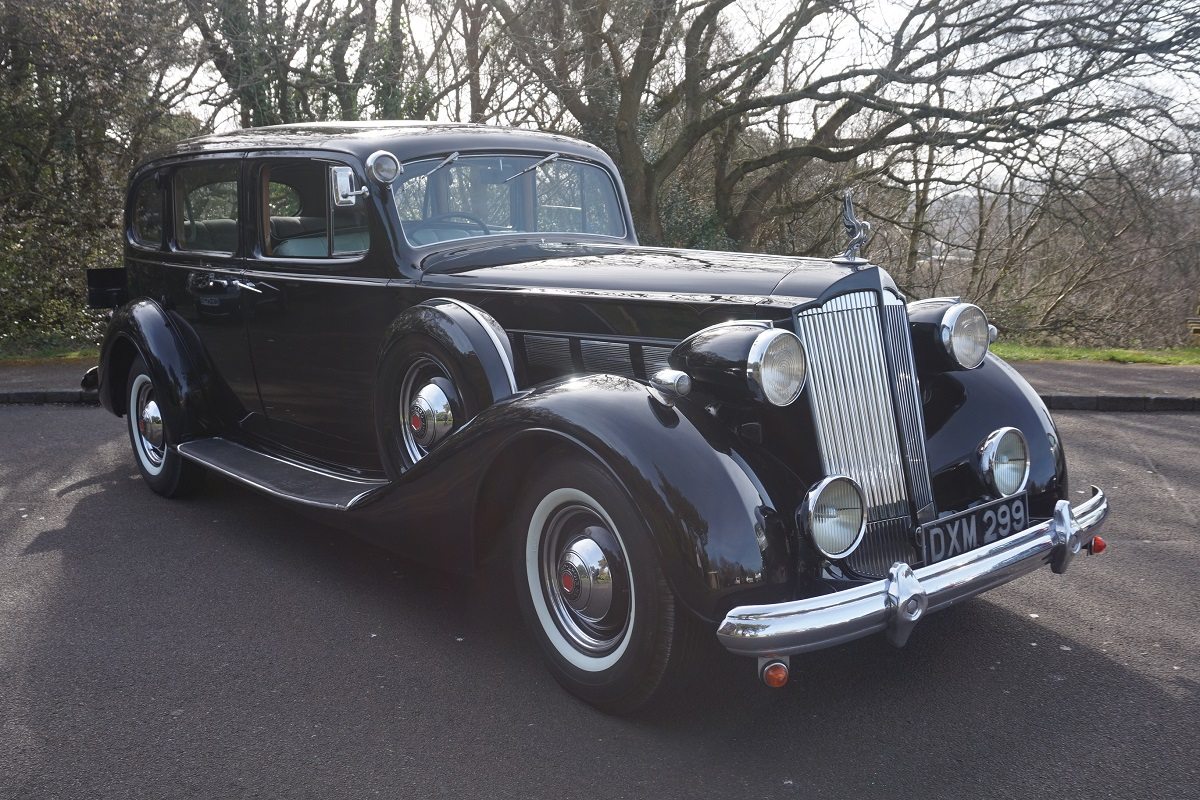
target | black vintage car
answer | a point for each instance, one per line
(447, 338)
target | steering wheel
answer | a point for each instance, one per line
(452, 216)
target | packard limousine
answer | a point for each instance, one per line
(447, 338)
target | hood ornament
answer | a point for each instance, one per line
(859, 233)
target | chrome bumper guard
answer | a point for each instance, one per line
(896, 603)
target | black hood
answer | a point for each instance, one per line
(598, 269)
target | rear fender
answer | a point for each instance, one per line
(143, 328)
(476, 340)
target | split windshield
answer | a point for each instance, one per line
(459, 197)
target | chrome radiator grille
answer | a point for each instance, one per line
(856, 353)
(908, 402)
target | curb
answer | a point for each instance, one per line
(1117, 402)
(1056, 402)
(37, 397)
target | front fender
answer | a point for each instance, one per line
(718, 511)
(144, 328)
(964, 407)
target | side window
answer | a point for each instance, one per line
(298, 214)
(147, 222)
(207, 207)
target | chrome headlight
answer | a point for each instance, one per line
(776, 367)
(1004, 460)
(833, 516)
(965, 335)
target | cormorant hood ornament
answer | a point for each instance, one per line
(859, 233)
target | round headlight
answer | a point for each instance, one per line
(776, 367)
(1004, 460)
(383, 166)
(965, 334)
(833, 516)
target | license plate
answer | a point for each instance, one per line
(973, 528)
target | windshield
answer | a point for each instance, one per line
(459, 197)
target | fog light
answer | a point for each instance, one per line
(833, 516)
(1004, 460)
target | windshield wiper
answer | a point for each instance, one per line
(547, 160)
(450, 159)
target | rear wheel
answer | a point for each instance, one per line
(592, 592)
(153, 441)
(423, 397)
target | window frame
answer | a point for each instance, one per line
(156, 175)
(258, 167)
(527, 209)
(177, 205)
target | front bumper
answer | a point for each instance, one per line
(896, 603)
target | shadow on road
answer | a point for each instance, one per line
(229, 646)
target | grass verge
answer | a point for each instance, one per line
(1021, 352)
(30, 354)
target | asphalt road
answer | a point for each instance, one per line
(227, 647)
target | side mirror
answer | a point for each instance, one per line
(342, 184)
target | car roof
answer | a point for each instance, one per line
(406, 139)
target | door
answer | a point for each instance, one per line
(203, 275)
(319, 312)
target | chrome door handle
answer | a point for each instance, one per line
(249, 287)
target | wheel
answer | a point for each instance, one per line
(592, 592)
(424, 396)
(166, 472)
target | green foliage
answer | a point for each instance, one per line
(1173, 356)
(42, 290)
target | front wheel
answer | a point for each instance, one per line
(592, 592)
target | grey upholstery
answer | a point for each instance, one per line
(216, 235)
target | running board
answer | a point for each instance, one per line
(279, 477)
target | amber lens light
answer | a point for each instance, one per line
(835, 516)
(777, 366)
(965, 334)
(775, 675)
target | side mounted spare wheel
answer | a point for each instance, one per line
(592, 591)
(445, 362)
(153, 440)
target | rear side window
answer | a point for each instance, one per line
(147, 222)
(207, 207)
(300, 216)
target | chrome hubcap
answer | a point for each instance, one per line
(430, 416)
(149, 424)
(585, 579)
(426, 410)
